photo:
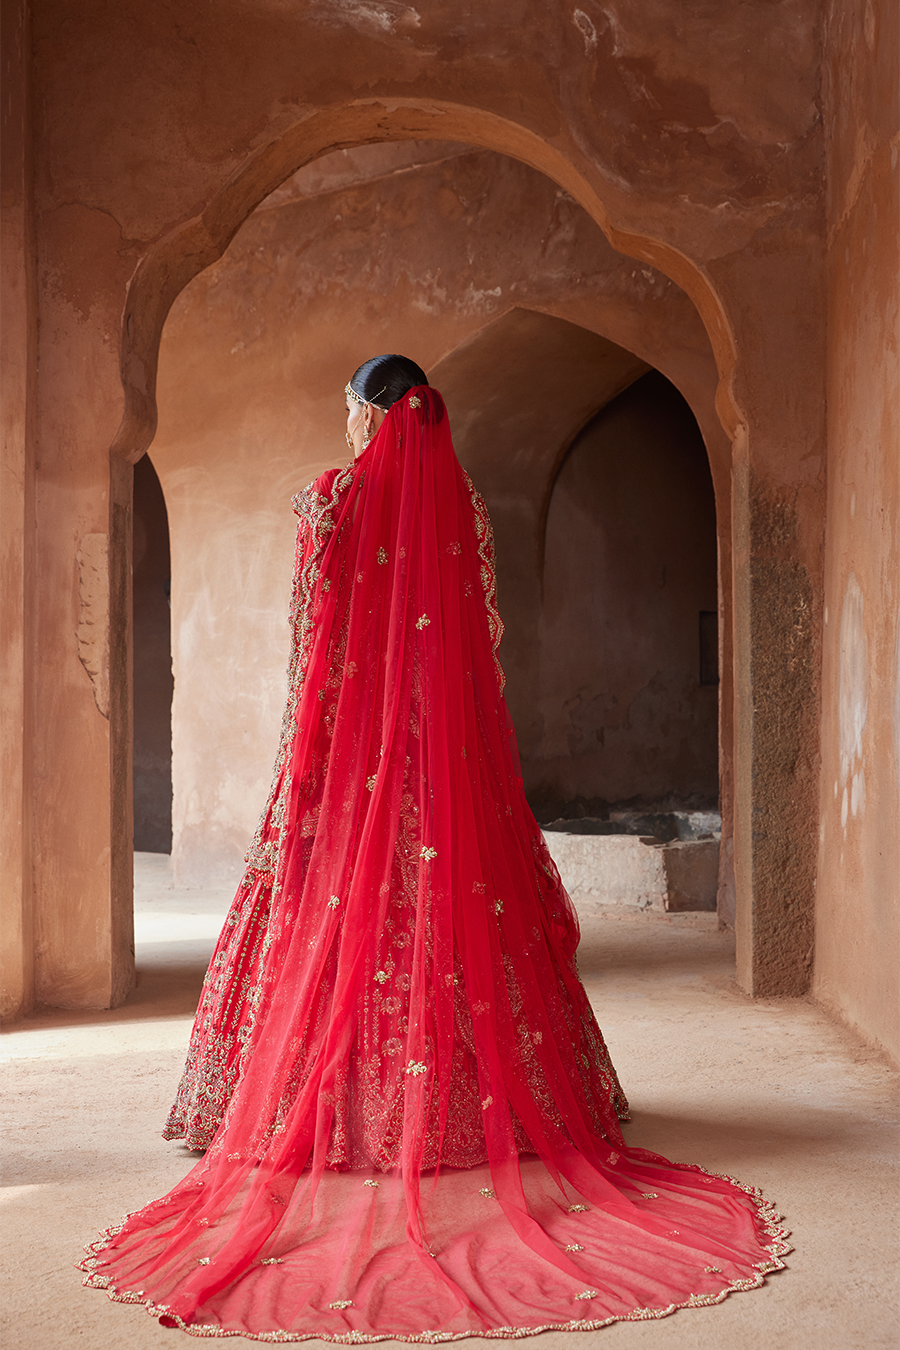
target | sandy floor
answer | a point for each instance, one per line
(774, 1093)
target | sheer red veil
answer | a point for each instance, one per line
(419, 1133)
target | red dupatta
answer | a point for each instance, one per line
(421, 1138)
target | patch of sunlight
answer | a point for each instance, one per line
(120, 1037)
(169, 926)
(8, 1193)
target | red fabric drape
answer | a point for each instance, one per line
(410, 1111)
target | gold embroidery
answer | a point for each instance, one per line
(416, 1069)
(341, 1303)
(487, 1193)
(370, 782)
(578, 1209)
(381, 976)
(428, 853)
(272, 1261)
(574, 1247)
(498, 906)
(415, 401)
(485, 535)
(587, 1293)
(382, 556)
(334, 902)
(488, 1101)
(713, 1270)
(650, 1195)
(369, 1182)
(422, 622)
(203, 1260)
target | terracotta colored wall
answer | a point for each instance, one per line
(17, 348)
(630, 562)
(253, 362)
(858, 914)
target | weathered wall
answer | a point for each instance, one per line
(17, 346)
(630, 562)
(858, 911)
(253, 361)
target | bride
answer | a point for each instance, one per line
(410, 1118)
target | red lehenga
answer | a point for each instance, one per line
(411, 1119)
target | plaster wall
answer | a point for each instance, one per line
(858, 910)
(252, 366)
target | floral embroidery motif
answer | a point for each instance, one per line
(428, 853)
(416, 1068)
(341, 1303)
(371, 781)
(334, 902)
(650, 1195)
(487, 1193)
(415, 401)
(488, 1101)
(369, 1182)
(574, 1247)
(272, 1261)
(422, 622)
(578, 1209)
(382, 556)
(203, 1260)
(485, 535)
(587, 1293)
(381, 976)
(498, 906)
(713, 1270)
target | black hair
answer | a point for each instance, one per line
(383, 380)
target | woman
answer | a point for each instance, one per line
(411, 1118)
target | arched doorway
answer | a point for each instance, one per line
(153, 684)
(373, 250)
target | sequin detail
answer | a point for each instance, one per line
(487, 1193)
(416, 1069)
(422, 622)
(341, 1303)
(587, 1293)
(370, 1182)
(575, 1247)
(382, 556)
(415, 401)
(334, 902)
(429, 854)
(578, 1209)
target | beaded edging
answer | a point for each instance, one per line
(767, 1217)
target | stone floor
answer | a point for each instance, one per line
(772, 1092)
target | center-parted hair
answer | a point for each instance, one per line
(382, 380)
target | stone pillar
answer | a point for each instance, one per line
(778, 513)
(17, 366)
(81, 745)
